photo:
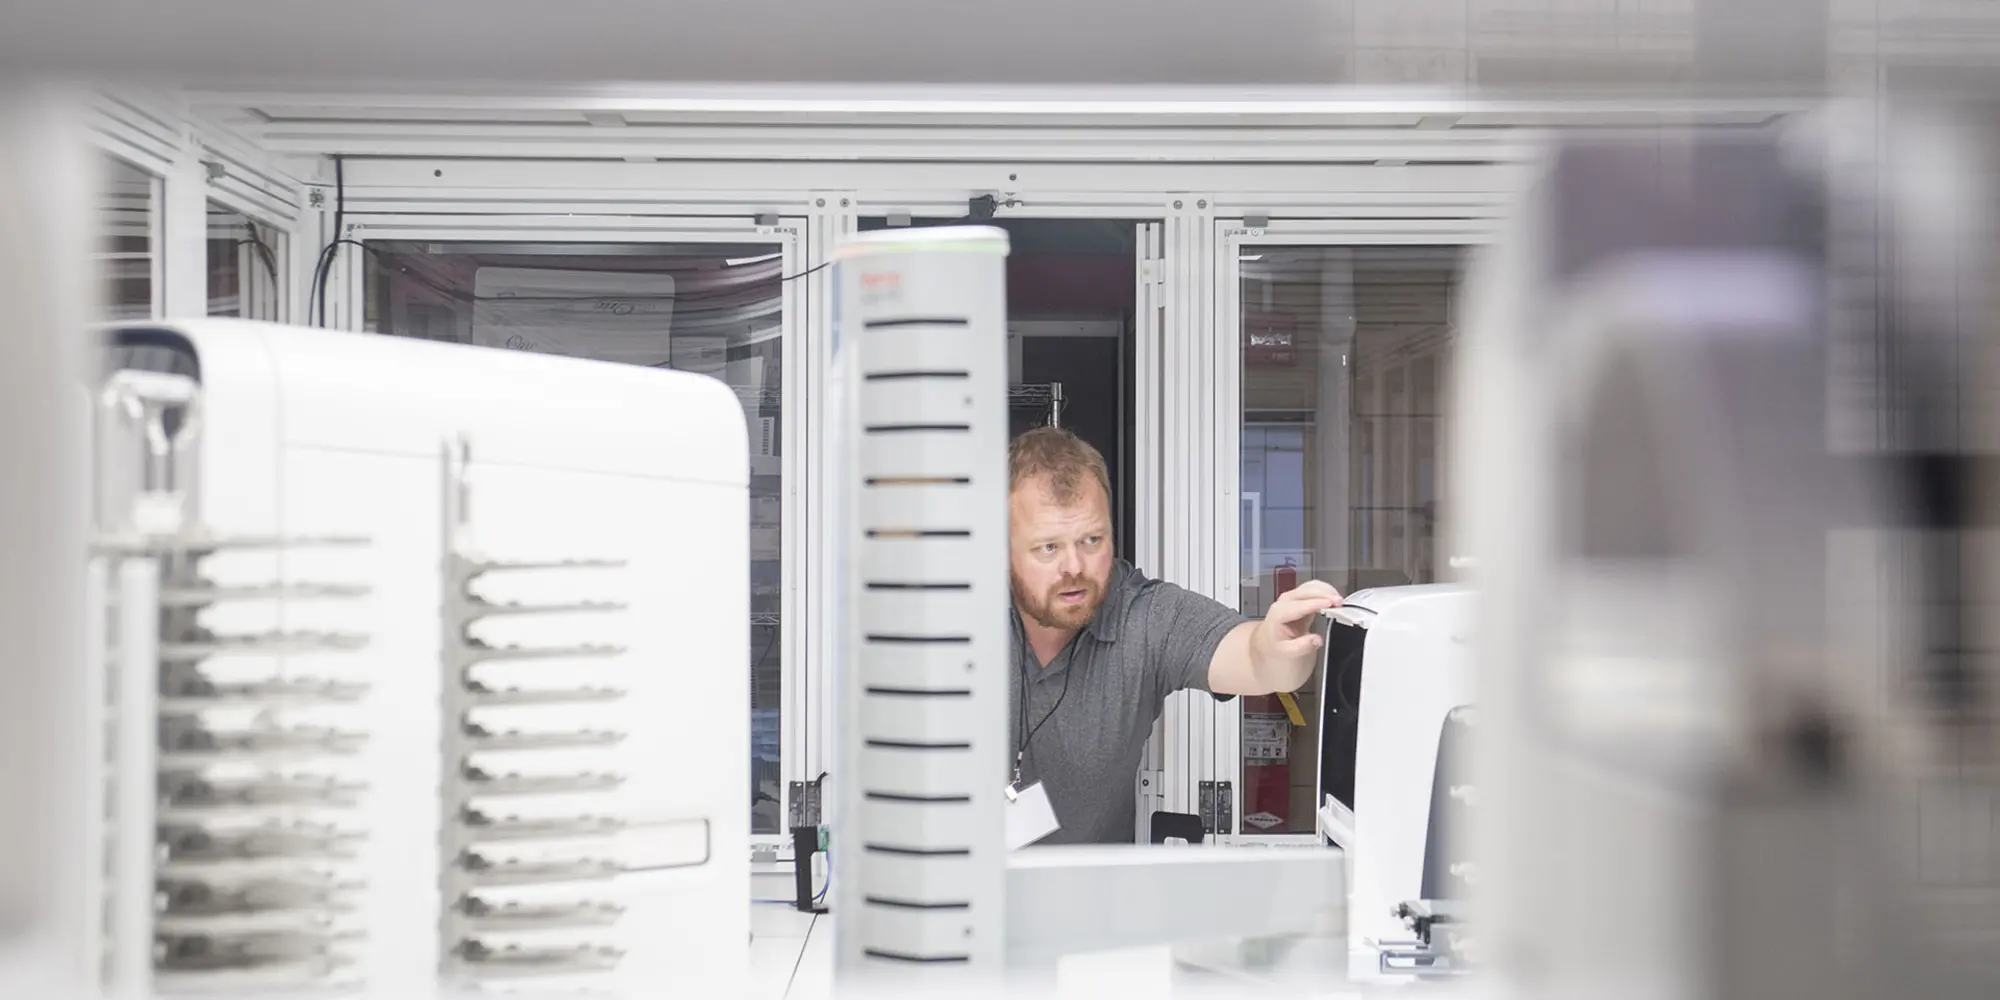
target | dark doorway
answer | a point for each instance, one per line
(1072, 290)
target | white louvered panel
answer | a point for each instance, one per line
(921, 774)
(930, 560)
(932, 399)
(890, 715)
(909, 668)
(932, 505)
(909, 877)
(919, 455)
(935, 822)
(927, 612)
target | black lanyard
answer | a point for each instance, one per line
(1027, 734)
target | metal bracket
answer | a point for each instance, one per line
(1206, 808)
(804, 797)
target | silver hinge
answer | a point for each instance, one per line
(1153, 271)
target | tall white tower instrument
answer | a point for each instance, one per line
(920, 357)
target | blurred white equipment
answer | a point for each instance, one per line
(434, 655)
(926, 893)
(1398, 670)
(1696, 781)
(46, 173)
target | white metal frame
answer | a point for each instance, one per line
(1231, 237)
(194, 162)
(801, 756)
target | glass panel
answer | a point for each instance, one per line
(126, 211)
(1344, 355)
(712, 308)
(243, 272)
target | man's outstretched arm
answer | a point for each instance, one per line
(1275, 654)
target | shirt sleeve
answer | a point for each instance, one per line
(1182, 630)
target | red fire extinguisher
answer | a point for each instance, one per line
(1267, 792)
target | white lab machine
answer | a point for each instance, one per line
(435, 655)
(1398, 669)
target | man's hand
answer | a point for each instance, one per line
(1286, 634)
(1278, 653)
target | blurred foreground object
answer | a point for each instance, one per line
(1717, 454)
(45, 183)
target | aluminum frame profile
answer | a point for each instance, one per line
(920, 363)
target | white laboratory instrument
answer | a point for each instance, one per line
(1707, 719)
(426, 671)
(1398, 676)
(925, 893)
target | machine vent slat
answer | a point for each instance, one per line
(917, 428)
(917, 745)
(907, 321)
(890, 956)
(897, 376)
(918, 852)
(907, 904)
(917, 800)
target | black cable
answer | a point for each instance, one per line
(264, 251)
(324, 268)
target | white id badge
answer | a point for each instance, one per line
(1030, 817)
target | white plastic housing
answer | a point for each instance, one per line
(317, 433)
(1416, 668)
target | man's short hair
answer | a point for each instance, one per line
(1066, 464)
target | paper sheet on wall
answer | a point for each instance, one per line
(603, 315)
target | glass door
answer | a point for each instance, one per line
(1341, 354)
(711, 296)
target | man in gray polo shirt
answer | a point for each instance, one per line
(1098, 646)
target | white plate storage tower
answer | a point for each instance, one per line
(231, 806)
(920, 356)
